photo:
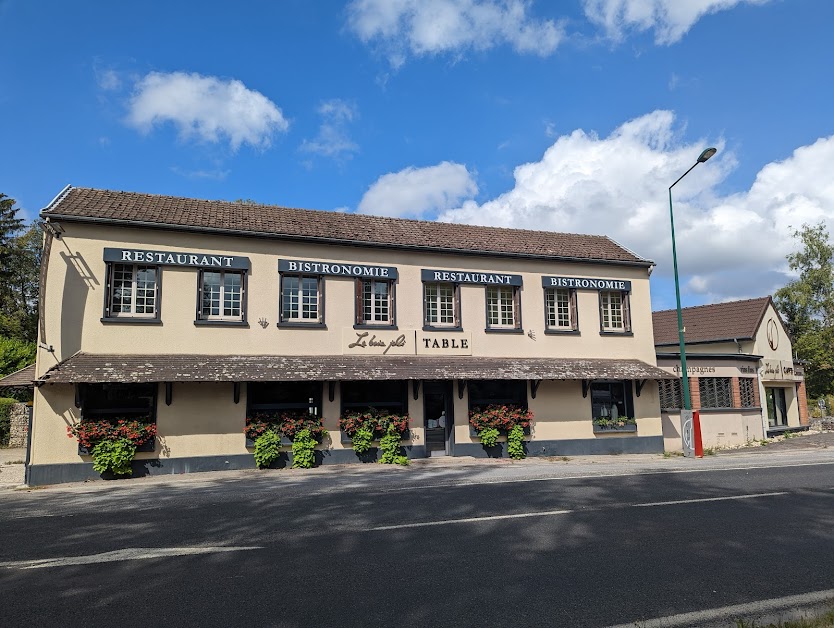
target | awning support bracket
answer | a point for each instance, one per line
(461, 388)
(586, 383)
(236, 388)
(639, 387)
(78, 395)
(534, 387)
(415, 389)
(169, 393)
(331, 391)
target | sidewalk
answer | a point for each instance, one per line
(11, 466)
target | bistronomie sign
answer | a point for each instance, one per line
(586, 283)
(341, 269)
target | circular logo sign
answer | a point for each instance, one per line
(773, 334)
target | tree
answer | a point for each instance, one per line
(20, 260)
(807, 307)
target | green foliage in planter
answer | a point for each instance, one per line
(609, 423)
(515, 443)
(267, 449)
(488, 436)
(390, 446)
(361, 440)
(114, 455)
(303, 450)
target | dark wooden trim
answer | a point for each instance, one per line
(331, 391)
(78, 400)
(236, 391)
(639, 386)
(586, 384)
(169, 393)
(461, 387)
(415, 388)
(534, 387)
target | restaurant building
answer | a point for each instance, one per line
(742, 374)
(193, 314)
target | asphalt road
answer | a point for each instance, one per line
(520, 545)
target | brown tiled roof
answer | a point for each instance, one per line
(711, 323)
(19, 379)
(332, 227)
(93, 368)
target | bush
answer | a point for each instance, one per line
(303, 450)
(390, 446)
(267, 449)
(114, 455)
(515, 443)
(5, 418)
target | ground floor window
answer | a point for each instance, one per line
(113, 402)
(272, 397)
(777, 407)
(716, 392)
(388, 396)
(508, 392)
(747, 391)
(671, 394)
(611, 400)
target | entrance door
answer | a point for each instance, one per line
(438, 414)
(777, 411)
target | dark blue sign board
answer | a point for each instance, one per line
(176, 258)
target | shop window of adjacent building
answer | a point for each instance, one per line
(747, 387)
(301, 299)
(671, 394)
(221, 296)
(777, 407)
(132, 291)
(505, 392)
(270, 397)
(614, 315)
(560, 309)
(387, 396)
(375, 302)
(503, 311)
(441, 303)
(716, 392)
(611, 399)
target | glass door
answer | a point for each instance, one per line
(438, 416)
(777, 409)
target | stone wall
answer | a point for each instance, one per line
(19, 428)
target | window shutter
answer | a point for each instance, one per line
(516, 308)
(359, 301)
(458, 322)
(243, 296)
(626, 312)
(574, 321)
(601, 311)
(157, 275)
(392, 301)
(199, 294)
(108, 291)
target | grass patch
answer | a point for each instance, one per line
(823, 621)
(710, 451)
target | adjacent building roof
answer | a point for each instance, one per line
(19, 379)
(150, 210)
(735, 320)
(93, 368)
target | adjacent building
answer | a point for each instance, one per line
(742, 374)
(192, 314)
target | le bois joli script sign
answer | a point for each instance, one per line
(404, 342)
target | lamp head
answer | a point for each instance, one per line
(709, 152)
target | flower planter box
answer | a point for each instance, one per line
(474, 434)
(285, 442)
(346, 440)
(143, 448)
(598, 429)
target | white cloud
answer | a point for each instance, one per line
(107, 79)
(427, 27)
(333, 139)
(669, 19)
(217, 174)
(728, 245)
(206, 108)
(415, 192)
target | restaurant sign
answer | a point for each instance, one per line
(586, 283)
(341, 269)
(378, 342)
(176, 258)
(779, 370)
(429, 343)
(459, 276)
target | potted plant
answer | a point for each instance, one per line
(365, 427)
(112, 443)
(489, 422)
(618, 424)
(267, 432)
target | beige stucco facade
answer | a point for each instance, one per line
(203, 419)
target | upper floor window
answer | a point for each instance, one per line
(560, 309)
(503, 311)
(132, 291)
(374, 302)
(221, 296)
(301, 299)
(614, 311)
(442, 305)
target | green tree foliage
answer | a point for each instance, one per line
(20, 260)
(807, 307)
(15, 354)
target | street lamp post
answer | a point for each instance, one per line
(687, 401)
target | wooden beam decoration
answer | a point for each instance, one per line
(78, 395)
(415, 388)
(169, 393)
(586, 384)
(640, 384)
(461, 388)
(331, 391)
(534, 387)
(236, 386)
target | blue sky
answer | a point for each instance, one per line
(571, 116)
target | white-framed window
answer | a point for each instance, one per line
(375, 302)
(132, 291)
(502, 307)
(221, 295)
(301, 299)
(614, 311)
(560, 309)
(441, 305)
